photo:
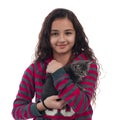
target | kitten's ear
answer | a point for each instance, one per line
(73, 66)
(88, 62)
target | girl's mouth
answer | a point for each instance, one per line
(62, 46)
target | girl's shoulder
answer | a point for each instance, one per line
(81, 56)
(35, 66)
(40, 65)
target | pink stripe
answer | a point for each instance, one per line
(83, 56)
(38, 83)
(77, 59)
(93, 65)
(90, 77)
(61, 83)
(39, 76)
(90, 90)
(30, 81)
(93, 72)
(40, 68)
(88, 83)
(66, 91)
(29, 111)
(26, 84)
(87, 113)
(23, 89)
(16, 105)
(17, 113)
(75, 99)
(25, 114)
(24, 96)
(77, 109)
(29, 71)
(38, 96)
(75, 93)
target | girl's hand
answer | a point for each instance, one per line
(51, 102)
(53, 66)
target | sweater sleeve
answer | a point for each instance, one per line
(76, 98)
(23, 108)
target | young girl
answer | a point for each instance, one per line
(61, 41)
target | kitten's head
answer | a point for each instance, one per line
(80, 68)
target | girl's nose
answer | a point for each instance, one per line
(62, 38)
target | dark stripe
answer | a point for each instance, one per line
(69, 92)
(77, 100)
(58, 80)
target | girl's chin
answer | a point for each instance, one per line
(62, 52)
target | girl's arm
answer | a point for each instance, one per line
(23, 107)
(79, 100)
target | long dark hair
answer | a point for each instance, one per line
(43, 48)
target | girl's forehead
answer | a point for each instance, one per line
(61, 20)
(62, 23)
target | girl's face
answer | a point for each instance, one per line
(62, 36)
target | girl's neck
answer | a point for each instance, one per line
(62, 58)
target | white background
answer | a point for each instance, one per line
(20, 23)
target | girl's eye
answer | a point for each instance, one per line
(68, 33)
(54, 34)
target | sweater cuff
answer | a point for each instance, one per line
(57, 74)
(35, 111)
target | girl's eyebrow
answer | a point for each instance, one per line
(55, 30)
(69, 30)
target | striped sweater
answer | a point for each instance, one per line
(79, 107)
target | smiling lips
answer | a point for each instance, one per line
(62, 46)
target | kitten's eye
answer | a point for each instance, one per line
(78, 66)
